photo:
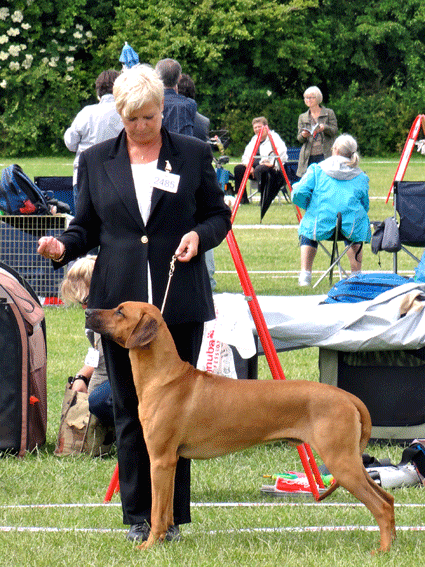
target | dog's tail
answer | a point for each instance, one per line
(329, 491)
(365, 421)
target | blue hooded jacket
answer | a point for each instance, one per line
(326, 189)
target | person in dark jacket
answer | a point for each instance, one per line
(179, 111)
(144, 197)
(201, 126)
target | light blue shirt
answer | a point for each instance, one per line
(93, 124)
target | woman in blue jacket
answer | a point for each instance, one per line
(335, 185)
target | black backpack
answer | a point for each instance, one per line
(21, 196)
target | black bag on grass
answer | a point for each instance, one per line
(19, 195)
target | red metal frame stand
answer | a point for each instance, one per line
(407, 150)
(249, 167)
(114, 485)
(305, 453)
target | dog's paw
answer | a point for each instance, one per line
(151, 541)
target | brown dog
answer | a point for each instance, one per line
(198, 415)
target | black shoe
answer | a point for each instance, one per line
(173, 534)
(138, 532)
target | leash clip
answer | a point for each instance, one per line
(170, 275)
(172, 266)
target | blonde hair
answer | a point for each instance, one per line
(346, 146)
(136, 87)
(76, 285)
(315, 91)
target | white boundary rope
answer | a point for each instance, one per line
(288, 529)
(293, 529)
(212, 505)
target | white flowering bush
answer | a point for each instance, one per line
(45, 74)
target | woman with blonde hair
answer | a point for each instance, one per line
(92, 377)
(143, 198)
(335, 185)
(317, 129)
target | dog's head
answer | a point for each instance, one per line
(131, 324)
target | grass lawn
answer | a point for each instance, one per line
(51, 510)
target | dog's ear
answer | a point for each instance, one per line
(143, 333)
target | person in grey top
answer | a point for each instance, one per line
(95, 122)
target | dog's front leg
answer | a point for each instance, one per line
(163, 472)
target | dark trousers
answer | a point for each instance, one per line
(259, 172)
(133, 458)
(238, 173)
(316, 159)
(100, 404)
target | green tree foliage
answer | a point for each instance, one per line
(243, 55)
(47, 66)
(378, 68)
(247, 58)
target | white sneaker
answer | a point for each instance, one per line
(304, 279)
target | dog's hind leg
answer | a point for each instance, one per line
(389, 498)
(163, 472)
(351, 474)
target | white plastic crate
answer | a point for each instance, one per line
(19, 237)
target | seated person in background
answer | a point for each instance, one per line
(265, 167)
(92, 377)
(335, 185)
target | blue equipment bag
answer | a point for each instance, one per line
(364, 287)
(223, 177)
(20, 196)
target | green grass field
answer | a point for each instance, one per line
(51, 508)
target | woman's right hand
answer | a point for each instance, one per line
(51, 248)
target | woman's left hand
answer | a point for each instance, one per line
(188, 247)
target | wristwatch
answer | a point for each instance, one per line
(72, 379)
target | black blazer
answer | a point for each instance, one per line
(108, 216)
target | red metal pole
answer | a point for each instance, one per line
(297, 210)
(407, 150)
(257, 314)
(246, 175)
(114, 486)
(306, 455)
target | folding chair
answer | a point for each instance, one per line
(409, 204)
(61, 187)
(334, 255)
